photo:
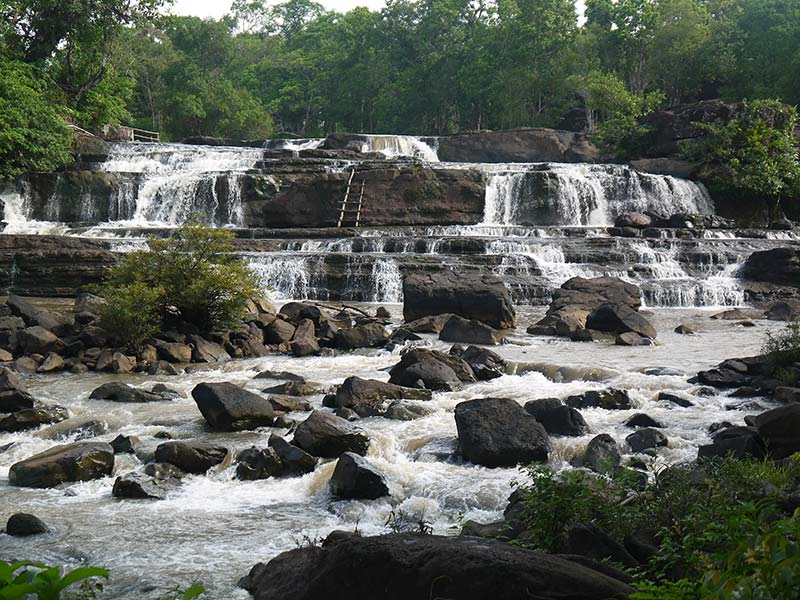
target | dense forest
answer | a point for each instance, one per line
(419, 67)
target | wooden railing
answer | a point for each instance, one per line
(142, 135)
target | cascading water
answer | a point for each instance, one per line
(394, 146)
(584, 195)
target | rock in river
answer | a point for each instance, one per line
(80, 461)
(328, 436)
(355, 478)
(497, 432)
(228, 407)
(191, 456)
(406, 566)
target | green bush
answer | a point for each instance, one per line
(720, 530)
(192, 276)
(783, 349)
(754, 154)
(132, 313)
(24, 580)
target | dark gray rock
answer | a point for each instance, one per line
(367, 397)
(81, 461)
(191, 456)
(737, 442)
(602, 454)
(410, 566)
(328, 436)
(125, 444)
(465, 331)
(138, 487)
(675, 399)
(619, 319)
(38, 340)
(478, 297)
(258, 463)
(24, 524)
(556, 417)
(780, 430)
(31, 418)
(204, 351)
(645, 439)
(430, 369)
(122, 392)
(642, 420)
(592, 542)
(406, 411)
(610, 399)
(484, 363)
(294, 460)
(13, 395)
(354, 478)
(228, 407)
(370, 335)
(497, 432)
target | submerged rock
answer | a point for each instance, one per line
(497, 432)
(411, 566)
(122, 392)
(138, 486)
(354, 478)
(80, 461)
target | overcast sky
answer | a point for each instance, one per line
(217, 8)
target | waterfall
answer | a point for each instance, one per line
(584, 195)
(387, 282)
(394, 146)
(290, 277)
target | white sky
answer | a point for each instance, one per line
(217, 8)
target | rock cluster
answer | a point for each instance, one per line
(596, 309)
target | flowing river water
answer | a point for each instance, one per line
(536, 233)
(214, 528)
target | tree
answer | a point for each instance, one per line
(754, 153)
(33, 134)
(193, 274)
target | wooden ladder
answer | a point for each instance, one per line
(345, 211)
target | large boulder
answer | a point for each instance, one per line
(645, 439)
(430, 369)
(367, 397)
(328, 436)
(407, 566)
(370, 335)
(601, 455)
(204, 351)
(618, 319)
(556, 417)
(779, 266)
(294, 460)
(257, 463)
(354, 478)
(228, 407)
(482, 298)
(304, 341)
(139, 487)
(122, 392)
(737, 442)
(190, 456)
(23, 525)
(38, 340)
(497, 432)
(465, 331)
(81, 461)
(780, 429)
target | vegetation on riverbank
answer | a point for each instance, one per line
(191, 277)
(718, 529)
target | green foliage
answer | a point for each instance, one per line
(192, 276)
(23, 580)
(133, 312)
(755, 152)
(33, 135)
(783, 349)
(721, 533)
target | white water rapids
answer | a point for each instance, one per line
(214, 528)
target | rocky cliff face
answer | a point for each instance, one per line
(289, 195)
(518, 145)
